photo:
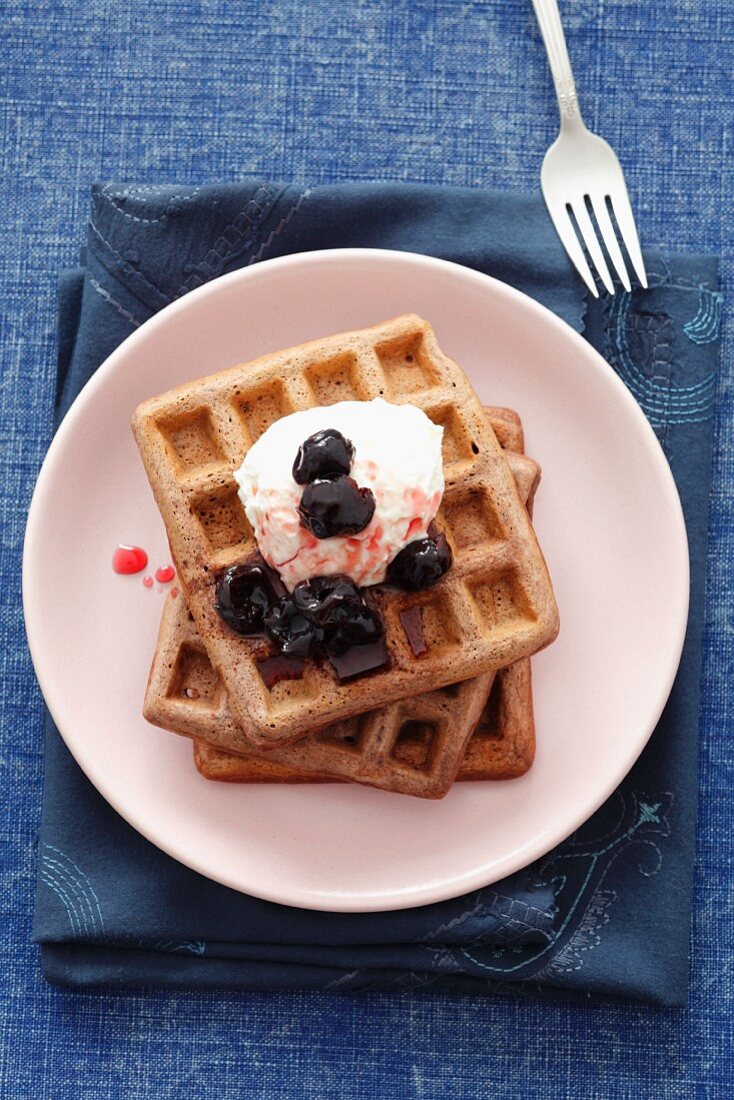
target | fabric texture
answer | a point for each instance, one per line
(585, 919)
(442, 93)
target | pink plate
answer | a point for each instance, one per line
(608, 517)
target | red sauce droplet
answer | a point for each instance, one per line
(129, 559)
(174, 593)
(148, 582)
(165, 574)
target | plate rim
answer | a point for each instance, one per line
(409, 897)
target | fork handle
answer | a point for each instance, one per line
(554, 40)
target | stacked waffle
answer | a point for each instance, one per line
(459, 705)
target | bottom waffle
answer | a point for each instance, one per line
(414, 746)
(382, 748)
(501, 747)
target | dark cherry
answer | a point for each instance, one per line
(327, 601)
(335, 507)
(363, 626)
(325, 454)
(420, 564)
(290, 630)
(245, 593)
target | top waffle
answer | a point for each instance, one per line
(494, 606)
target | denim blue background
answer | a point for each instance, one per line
(436, 91)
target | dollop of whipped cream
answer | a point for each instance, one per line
(397, 456)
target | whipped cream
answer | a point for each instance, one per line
(397, 456)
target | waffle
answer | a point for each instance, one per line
(414, 746)
(494, 606)
(507, 426)
(501, 747)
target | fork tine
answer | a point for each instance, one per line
(610, 238)
(626, 222)
(565, 230)
(588, 233)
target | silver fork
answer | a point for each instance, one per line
(581, 169)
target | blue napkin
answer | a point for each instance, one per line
(607, 912)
